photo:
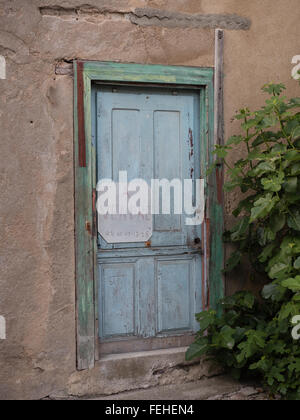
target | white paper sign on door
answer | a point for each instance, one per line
(125, 228)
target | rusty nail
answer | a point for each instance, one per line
(88, 227)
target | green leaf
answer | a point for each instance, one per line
(255, 341)
(251, 123)
(231, 185)
(265, 137)
(233, 261)
(206, 319)
(297, 143)
(276, 346)
(290, 198)
(245, 112)
(290, 246)
(221, 151)
(265, 235)
(249, 300)
(246, 185)
(235, 140)
(269, 121)
(293, 284)
(295, 101)
(269, 291)
(197, 349)
(262, 365)
(263, 206)
(295, 169)
(292, 155)
(278, 149)
(297, 264)
(240, 300)
(294, 367)
(267, 252)
(291, 184)
(273, 183)
(244, 205)
(276, 373)
(275, 89)
(231, 317)
(277, 222)
(225, 338)
(294, 218)
(273, 291)
(291, 125)
(239, 334)
(289, 310)
(256, 154)
(262, 168)
(296, 133)
(278, 269)
(259, 140)
(238, 232)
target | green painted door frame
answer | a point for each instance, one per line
(85, 73)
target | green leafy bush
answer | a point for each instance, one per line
(254, 337)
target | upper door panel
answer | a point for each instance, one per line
(150, 134)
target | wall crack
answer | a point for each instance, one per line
(151, 17)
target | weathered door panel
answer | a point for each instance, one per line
(149, 291)
(175, 286)
(118, 299)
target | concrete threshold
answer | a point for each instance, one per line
(216, 388)
(119, 373)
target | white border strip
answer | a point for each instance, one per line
(2, 68)
(2, 328)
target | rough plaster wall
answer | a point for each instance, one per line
(37, 286)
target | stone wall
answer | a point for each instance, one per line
(38, 39)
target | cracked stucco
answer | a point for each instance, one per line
(152, 17)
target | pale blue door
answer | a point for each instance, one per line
(149, 292)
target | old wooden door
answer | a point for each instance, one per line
(148, 291)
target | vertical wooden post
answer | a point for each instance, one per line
(84, 241)
(217, 284)
(219, 90)
(80, 116)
